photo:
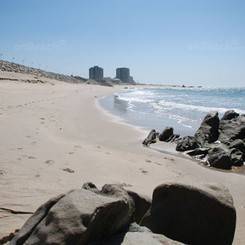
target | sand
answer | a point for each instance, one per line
(54, 137)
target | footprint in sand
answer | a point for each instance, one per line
(143, 171)
(69, 170)
(33, 142)
(2, 172)
(31, 157)
(167, 158)
(77, 146)
(71, 153)
(157, 163)
(28, 136)
(49, 162)
(37, 175)
(147, 160)
(19, 148)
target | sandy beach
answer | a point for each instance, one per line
(55, 137)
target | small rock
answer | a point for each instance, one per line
(229, 115)
(167, 134)
(151, 138)
(187, 143)
(209, 129)
(219, 158)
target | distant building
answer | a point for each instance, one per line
(123, 74)
(96, 73)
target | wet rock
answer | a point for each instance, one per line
(187, 143)
(219, 158)
(192, 215)
(79, 217)
(231, 130)
(237, 157)
(229, 115)
(208, 132)
(166, 134)
(151, 138)
(198, 151)
(238, 144)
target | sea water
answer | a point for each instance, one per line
(180, 108)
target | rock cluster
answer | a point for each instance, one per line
(177, 214)
(218, 142)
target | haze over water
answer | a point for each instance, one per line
(181, 108)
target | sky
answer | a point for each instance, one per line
(193, 42)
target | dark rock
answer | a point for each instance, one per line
(219, 158)
(151, 138)
(175, 138)
(138, 235)
(229, 115)
(198, 151)
(209, 129)
(167, 134)
(237, 157)
(142, 204)
(192, 215)
(79, 217)
(231, 130)
(238, 144)
(91, 187)
(186, 143)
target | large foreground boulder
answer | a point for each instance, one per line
(219, 158)
(187, 143)
(78, 217)
(192, 215)
(208, 132)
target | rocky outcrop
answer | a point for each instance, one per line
(178, 214)
(187, 143)
(218, 143)
(209, 129)
(192, 215)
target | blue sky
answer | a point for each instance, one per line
(175, 41)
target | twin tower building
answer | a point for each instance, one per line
(97, 73)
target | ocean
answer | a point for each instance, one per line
(180, 108)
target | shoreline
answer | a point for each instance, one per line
(47, 130)
(156, 147)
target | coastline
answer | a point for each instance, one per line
(72, 132)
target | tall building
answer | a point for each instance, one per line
(96, 73)
(123, 74)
